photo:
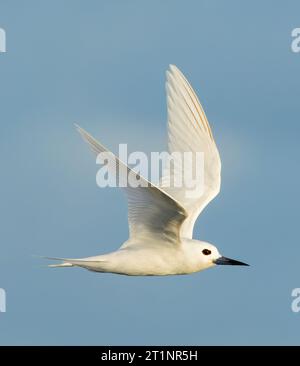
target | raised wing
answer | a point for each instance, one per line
(189, 131)
(152, 214)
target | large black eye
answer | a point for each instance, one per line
(206, 251)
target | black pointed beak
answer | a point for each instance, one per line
(229, 262)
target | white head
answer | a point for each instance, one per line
(208, 255)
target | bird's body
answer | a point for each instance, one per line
(151, 259)
(161, 217)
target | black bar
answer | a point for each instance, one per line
(135, 354)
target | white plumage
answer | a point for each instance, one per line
(161, 218)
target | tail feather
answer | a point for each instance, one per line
(67, 262)
(64, 264)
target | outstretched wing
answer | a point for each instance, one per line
(189, 131)
(152, 214)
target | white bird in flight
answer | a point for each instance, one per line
(161, 219)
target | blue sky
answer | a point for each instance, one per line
(102, 64)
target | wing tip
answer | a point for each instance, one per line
(176, 77)
(84, 134)
(173, 69)
(79, 129)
